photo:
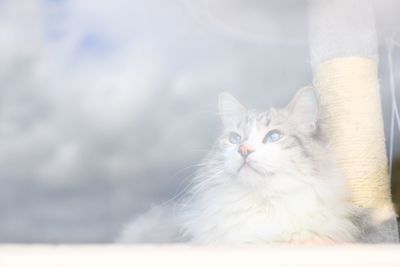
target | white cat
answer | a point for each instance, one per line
(271, 178)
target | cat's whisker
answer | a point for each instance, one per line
(193, 177)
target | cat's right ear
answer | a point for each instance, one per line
(230, 109)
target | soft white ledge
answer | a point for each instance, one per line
(185, 256)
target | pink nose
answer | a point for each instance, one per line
(245, 150)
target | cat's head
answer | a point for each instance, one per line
(256, 146)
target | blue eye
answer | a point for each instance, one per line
(272, 136)
(235, 138)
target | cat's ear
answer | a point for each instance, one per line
(303, 110)
(230, 109)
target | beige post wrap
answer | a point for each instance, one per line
(351, 110)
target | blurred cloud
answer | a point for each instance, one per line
(104, 105)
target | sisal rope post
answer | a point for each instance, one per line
(351, 110)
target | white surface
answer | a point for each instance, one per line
(111, 255)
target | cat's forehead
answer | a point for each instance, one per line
(271, 117)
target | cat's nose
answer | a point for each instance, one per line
(245, 150)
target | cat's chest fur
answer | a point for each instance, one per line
(232, 214)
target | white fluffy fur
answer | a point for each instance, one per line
(285, 191)
(285, 210)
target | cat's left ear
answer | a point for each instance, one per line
(303, 110)
(230, 109)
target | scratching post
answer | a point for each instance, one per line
(344, 59)
(350, 104)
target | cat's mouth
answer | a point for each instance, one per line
(246, 165)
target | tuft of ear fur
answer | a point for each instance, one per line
(230, 109)
(303, 110)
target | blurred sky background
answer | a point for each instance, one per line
(105, 105)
